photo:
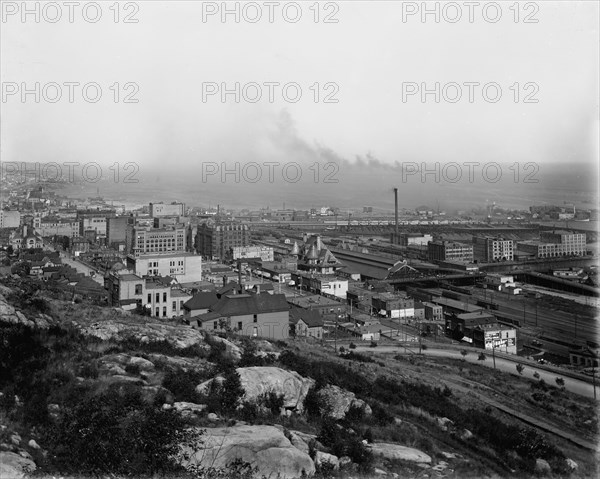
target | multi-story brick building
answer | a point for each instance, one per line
(51, 226)
(215, 241)
(449, 251)
(489, 249)
(94, 220)
(169, 240)
(116, 230)
(131, 291)
(555, 244)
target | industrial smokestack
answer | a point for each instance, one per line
(396, 215)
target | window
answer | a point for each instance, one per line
(174, 306)
(255, 331)
(158, 297)
(157, 312)
(255, 317)
(215, 325)
(138, 289)
(149, 298)
(164, 311)
(164, 297)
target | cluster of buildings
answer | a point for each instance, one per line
(490, 249)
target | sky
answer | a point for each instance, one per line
(370, 61)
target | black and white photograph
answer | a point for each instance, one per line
(308, 239)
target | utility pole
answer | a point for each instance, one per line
(494, 353)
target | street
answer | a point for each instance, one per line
(573, 385)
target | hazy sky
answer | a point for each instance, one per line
(369, 54)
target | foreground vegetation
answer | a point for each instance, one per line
(54, 390)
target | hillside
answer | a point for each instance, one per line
(87, 391)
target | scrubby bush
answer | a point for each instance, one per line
(345, 443)
(183, 384)
(116, 432)
(132, 368)
(271, 401)
(313, 403)
(520, 368)
(225, 393)
(352, 346)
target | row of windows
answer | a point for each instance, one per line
(157, 296)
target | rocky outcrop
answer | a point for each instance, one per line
(146, 332)
(338, 401)
(187, 364)
(14, 466)
(322, 458)
(10, 315)
(265, 447)
(189, 408)
(259, 380)
(397, 452)
(231, 350)
(571, 465)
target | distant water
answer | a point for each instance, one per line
(356, 186)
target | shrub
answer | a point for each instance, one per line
(381, 416)
(560, 382)
(344, 443)
(352, 346)
(357, 357)
(342, 349)
(536, 375)
(373, 344)
(520, 368)
(224, 396)
(313, 403)
(272, 401)
(464, 353)
(481, 357)
(183, 384)
(89, 370)
(116, 433)
(132, 368)
(355, 413)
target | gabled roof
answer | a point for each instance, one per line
(87, 283)
(202, 300)
(242, 304)
(228, 288)
(311, 318)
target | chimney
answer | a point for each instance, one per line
(224, 280)
(396, 241)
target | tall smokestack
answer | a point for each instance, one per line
(396, 215)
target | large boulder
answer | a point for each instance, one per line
(14, 466)
(339, 401)
(264, 447)
(322, 458)
(397, 452)
(542, 467)
(259, 380)
(189, 408)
